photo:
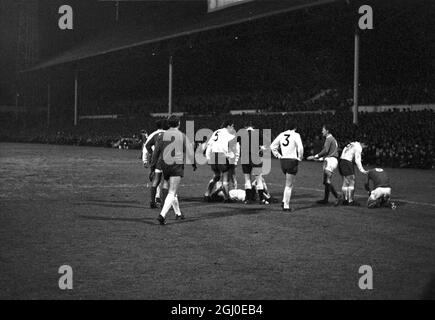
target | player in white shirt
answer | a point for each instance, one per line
(351, 154)
(292, 152)
(221, 154)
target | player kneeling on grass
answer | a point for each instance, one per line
(292, 152)
(329, 155)
(175, 150)
(380, 195)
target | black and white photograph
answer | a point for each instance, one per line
(218, 155)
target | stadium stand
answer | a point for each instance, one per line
(395, 139)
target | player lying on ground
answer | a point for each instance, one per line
(379, 195)
(351, 154)
(174, 149)
(292, 152)
(329, 155)
(239, 195)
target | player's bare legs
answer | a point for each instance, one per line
(171, 200)
(155, 183)
(232, 178)
(260, 188)
(159, 192)
(225, 186)
(329, 188)
(289, 182)
(248, 187)
(351, 190)
(165, 188)
(344, 198)
(212, 184)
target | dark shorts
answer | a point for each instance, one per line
(172, 170)
(231, 168)
(219, 163)
(289, 166)
(247, 168)
(346, 168)
(159, 165)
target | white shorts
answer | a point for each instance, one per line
(379, 193)
(330, 164)
(158, 171)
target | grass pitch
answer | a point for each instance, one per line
(88, 208)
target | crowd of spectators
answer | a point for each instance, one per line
(397, 94)
(295, 98)
(395, 139)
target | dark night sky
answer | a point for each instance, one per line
(314, 47)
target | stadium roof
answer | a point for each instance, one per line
(177, 23)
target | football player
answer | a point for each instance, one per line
(252, 165)
(292, 152)
(329, 155)
(221, 154)
(175, 150)
(156, 172)
(351, 154)
(379, 195)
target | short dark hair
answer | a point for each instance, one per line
(173, 121)
(291, 125)
(227, 123)
(159, 124)
(165, 124)
(327, 127)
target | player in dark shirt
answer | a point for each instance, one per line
(380, 193)
(156, 170)
(329, 155)
(172, 152)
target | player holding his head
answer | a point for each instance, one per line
(351, 154)
(221, 152)
(156, 172)
(292, 152)
(329, 155)
(175, 150)
(379, 195)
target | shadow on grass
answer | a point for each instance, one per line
(171, 220)
(111, 203)
(114, 201)
(149, 221)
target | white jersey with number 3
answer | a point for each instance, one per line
(290, 144)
